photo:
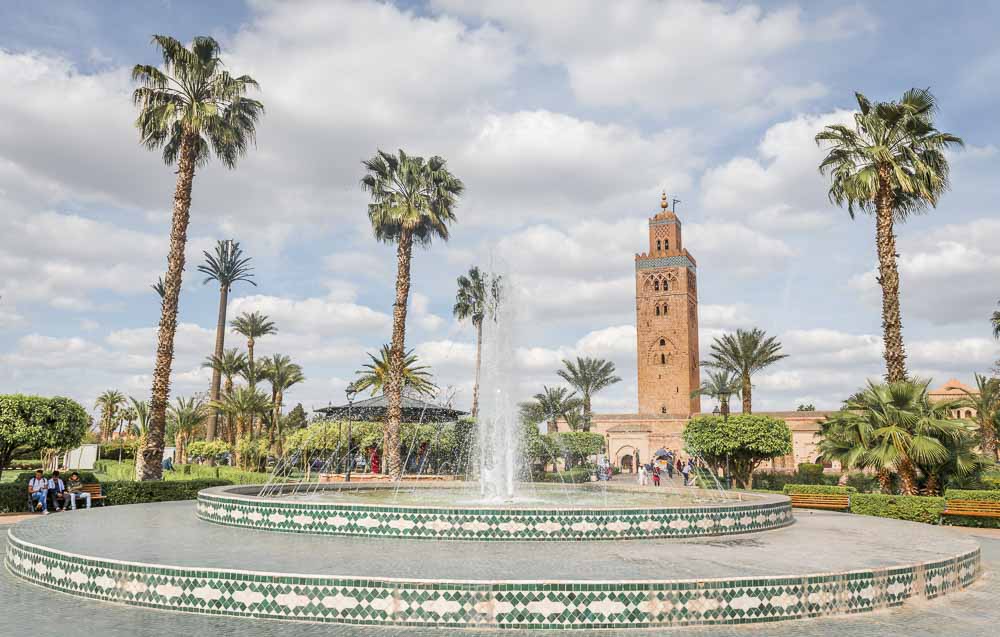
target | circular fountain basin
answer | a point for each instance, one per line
(454, 512)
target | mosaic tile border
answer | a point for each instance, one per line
(221, 505)
(481, 604)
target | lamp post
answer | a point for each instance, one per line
(351, 391)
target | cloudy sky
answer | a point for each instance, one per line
(565, 119)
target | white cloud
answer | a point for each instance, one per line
(323, 316)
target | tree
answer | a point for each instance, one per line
(721, 385)
(242, 405)
(553, 403)
(412, 200)
(33, 423)
(891, 163)
(141, 409)
(281, 373)
(576, 446)
(296, 419)
(995, 322)
(588, 376)
(985, 399)
(745, 353)
(191, 108)
(745, 439)
(110, 403)
(187, 415)
(226, 267)
(375, 375)
(806, 407)
(232, 364)
(478, 295)
(252, 325)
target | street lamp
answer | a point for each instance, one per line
(351, 391)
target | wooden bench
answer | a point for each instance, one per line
(821, 501)
(972, 508)
(94, 490)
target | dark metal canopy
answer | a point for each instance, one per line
(375, 410)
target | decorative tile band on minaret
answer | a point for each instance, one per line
(666, 323)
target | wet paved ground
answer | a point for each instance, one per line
(29, 610)
(169, 533)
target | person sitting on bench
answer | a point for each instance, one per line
(38, 491)
(58, 490)
(74, 490)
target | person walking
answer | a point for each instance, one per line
(656, 476)
(670, 465)
(686, 471)
(643, 476)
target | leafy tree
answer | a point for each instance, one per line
(110, 404)
(588, 376)
(191, 108)
(745, 439)
(282, 374)
(226, 267)
(412, 200)
(478, 295)
(205, 450)
(375, 375)
(995, 322)
(806, 407)
(33, 423)
(722, 384)
(891, 163)
(186, 416)
(295, 419)
(576, 447)
(553, 403)
(985, 399)
(745, 353)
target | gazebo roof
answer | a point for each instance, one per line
(376, 407)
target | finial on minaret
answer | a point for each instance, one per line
(663, 200)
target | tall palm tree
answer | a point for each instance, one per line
(744, 353)
(252, 325)
(588, 376)
(478, 295)
(225, 267)
(995, 322)
(554, 403)
(231, 364)
(722, 384)
(375, 375)
(141, 408)
(242, 404)
(412, 200)
(985, 399)
(281, 373)
(186, 415)
(191, 108)
(891, 163)
(110, 404)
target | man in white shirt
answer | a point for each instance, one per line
(38, 489)
(58, 489)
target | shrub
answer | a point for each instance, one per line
(24, 465)
(863, 482)
(203, 449)
(914, 508)
(809, 473)
(576, 446)
(746, 439)
(772, 480)
(574, 475)
(816, 489)
(167, 491)
(116, 471)
(110, 450)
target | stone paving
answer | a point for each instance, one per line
(29, 610)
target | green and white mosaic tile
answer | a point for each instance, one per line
(215, 505)
(539, 605)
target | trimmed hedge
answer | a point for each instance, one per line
(915, 508)
(13, 498)
(817, 489)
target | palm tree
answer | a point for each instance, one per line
(281, 373)
(588, 376)
(963, 460)
(141, 409)
(995, 321)
(110, 403)
(375, 375)
(186, 416)
(412, 200)
(722, 384)
(242, 405)
(225, 267)
(192, 109)
(555, 403)
(252, 325)
(985, 399)
(231, 364)
(891, 163)
(477, 295)
(744, 353)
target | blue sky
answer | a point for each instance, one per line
(565, 120)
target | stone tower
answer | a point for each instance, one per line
(666, 321)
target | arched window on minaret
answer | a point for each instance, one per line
(666, 244)
(664, 309)
(656, 285)
(663, 342)
(666, 285)
(657, 245)
(657, 310)
(663, 409)
(663, 359)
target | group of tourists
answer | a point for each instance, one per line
(667, 462)
(63, 493)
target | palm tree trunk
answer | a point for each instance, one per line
(220, 340)
(251, 376)
(888, 278)
(885, 481)
(747, 395)
(276, 425)
(240, 432)
(586, 412)
(148, 461)
(988, 434)
(479, 364)
(394, 388)
(908, 477)
(933, 486)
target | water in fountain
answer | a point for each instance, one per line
(498, 426)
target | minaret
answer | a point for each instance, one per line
(666, 320)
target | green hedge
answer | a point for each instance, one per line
(575, 475)
(85, 476)
(914, 508)
(817, 489)
(989, 495)
(13, 496)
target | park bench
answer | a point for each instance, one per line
(821, 501)
(972, 508)
(93, 488)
